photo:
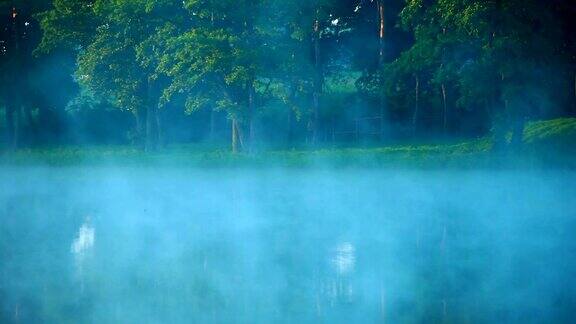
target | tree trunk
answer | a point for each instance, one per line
(317, 83)
(234, 136)
(291, 102)
(13, 109)
(381, 59)
(416, 104)
(333, 131)
(381, 124)
(445, 109)
(159, 134)
(241, 137)
(381, 32)
(212, 136)
(314, 123)
(139, 129)
(443, 89)
(499, 128)
(251, 112)
(500, 119)
(289, 127)
(150, 141)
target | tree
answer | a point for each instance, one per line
(489, 53)
(499, 60)
(106, 36)
(227, 59)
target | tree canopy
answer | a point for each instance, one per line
(299, 71)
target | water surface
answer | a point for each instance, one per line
(121, 245)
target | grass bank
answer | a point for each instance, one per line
(546, 143)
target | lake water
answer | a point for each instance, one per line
(120, 245)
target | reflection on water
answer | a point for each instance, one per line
(286, 248)
(337, 287)
(344, 258)
(81, 248)
(84, 241)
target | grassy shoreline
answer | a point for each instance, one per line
(546, 144)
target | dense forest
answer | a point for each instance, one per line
(253, 74)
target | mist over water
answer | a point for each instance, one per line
(138, 245)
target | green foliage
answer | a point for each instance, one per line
(255, 58)
(68, 24)
(555, 130)
(488, 54)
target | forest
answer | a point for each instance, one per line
(251, 75)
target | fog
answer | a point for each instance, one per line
(142, 245)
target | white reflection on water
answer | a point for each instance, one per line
(84, 241)
(339, 288)
(81, 247)
(344, 258)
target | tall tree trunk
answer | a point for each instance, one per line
(139, 128)
(150, 141)
(444, 109)
(212, 135)
(381, 59)
(289, 127)
(159, 133)
(153, 131)
(291, 103)
(213, 110)
(381, 33)
(443, 89)
(382, 125)
(333, 131)
(241, 137)
(314, 123)
(498, 125)
(416, 104)
(251, 113)
(500, 118)
(318, 80)
(13, 109)
(234, 136)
